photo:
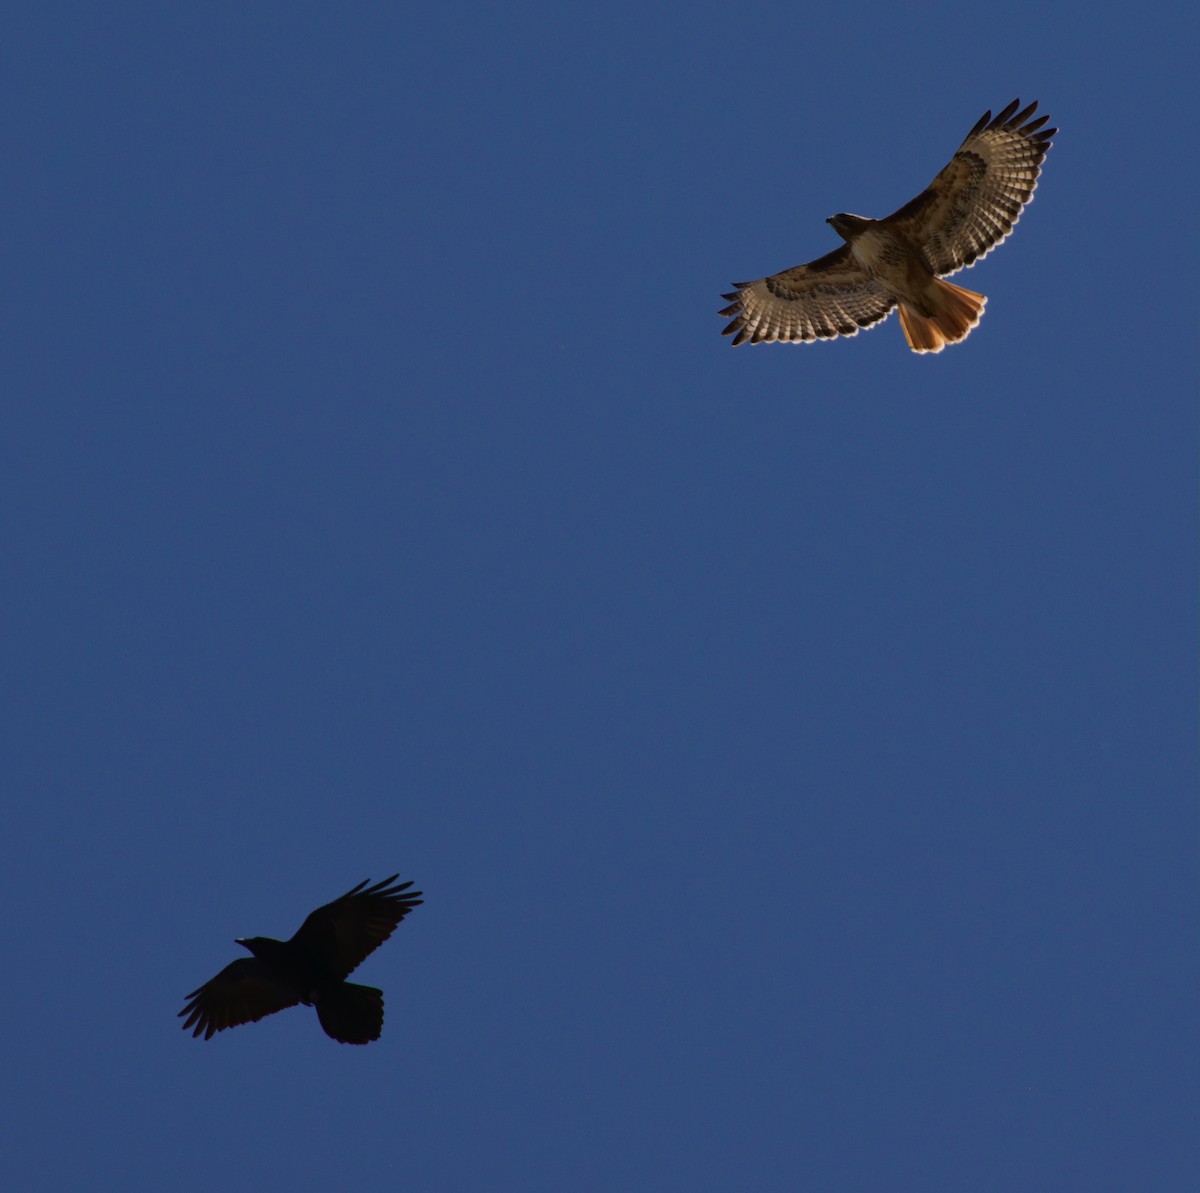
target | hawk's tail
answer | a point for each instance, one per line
(955, 312)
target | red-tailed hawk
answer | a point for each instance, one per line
(968, 209)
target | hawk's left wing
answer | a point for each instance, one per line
(831, 296)
(972, 205)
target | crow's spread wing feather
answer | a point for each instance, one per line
(242, 992)
(349, 929)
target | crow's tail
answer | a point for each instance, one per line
(352, 1014)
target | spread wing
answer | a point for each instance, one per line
(972, 205)
(242, 992)
(831, 296)
(344, 932)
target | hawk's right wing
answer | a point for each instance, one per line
(973, 203)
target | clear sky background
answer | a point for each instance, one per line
(795, 744)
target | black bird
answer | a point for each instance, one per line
(310, 968)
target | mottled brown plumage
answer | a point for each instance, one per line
(968, 209)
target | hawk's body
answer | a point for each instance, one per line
(968, 209)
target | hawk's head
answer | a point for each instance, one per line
(848, 226)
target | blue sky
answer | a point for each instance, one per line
(795, 744)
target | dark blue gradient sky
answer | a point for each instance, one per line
(796, 745)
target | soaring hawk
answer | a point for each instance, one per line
(968, 209)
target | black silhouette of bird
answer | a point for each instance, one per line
(311, 968)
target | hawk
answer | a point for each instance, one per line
(968, 209)
(310, 968)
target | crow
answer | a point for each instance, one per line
(311, 968)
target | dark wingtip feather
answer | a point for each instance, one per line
(1023, 115)
(1002, 118)
(981, 123)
